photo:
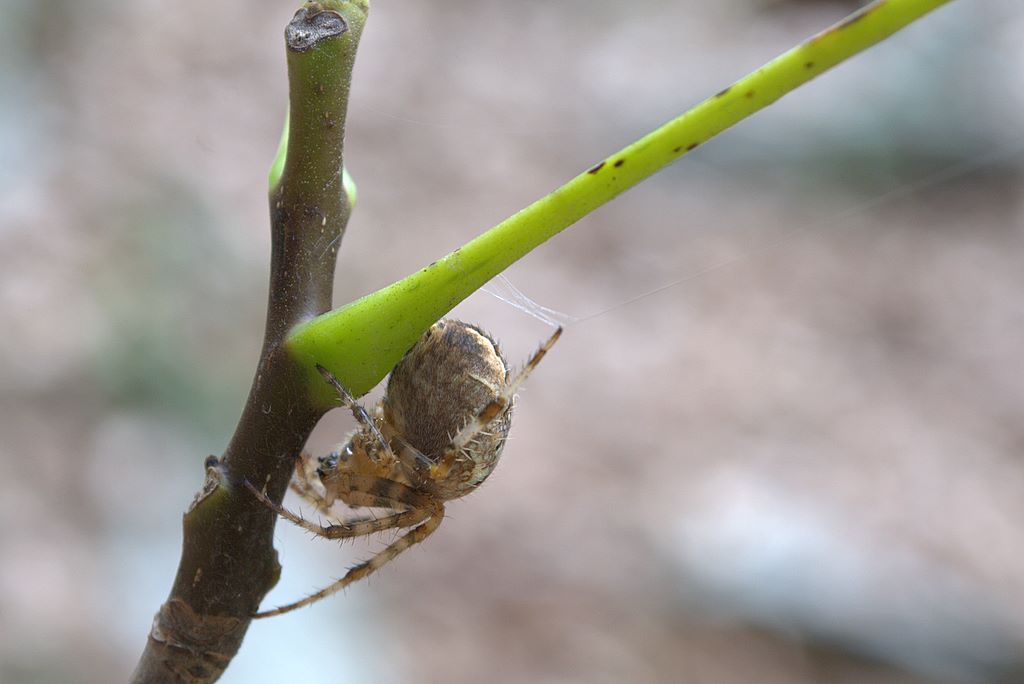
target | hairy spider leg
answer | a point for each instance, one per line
(357, 409)
(357, 572)
(490, 411)
(303, 484)
(362, 490)
(416, 465)
(356, 527)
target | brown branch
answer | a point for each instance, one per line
(228, 562)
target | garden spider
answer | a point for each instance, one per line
(435, 436)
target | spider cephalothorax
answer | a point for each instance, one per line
(435, 436)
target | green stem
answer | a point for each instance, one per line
(361, 341)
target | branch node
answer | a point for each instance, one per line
(207, 641)
(212, 482)
(311, 25)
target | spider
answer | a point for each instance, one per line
(435, 436)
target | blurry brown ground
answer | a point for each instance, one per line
(802, 463)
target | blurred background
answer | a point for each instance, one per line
(780, 441)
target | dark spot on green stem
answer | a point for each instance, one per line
(749, 94)
(677, 149)
(722, 92)
(619, 163)
(808, 65)
(595, 169)
(692, 146)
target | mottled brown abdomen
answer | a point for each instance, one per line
(442, 382)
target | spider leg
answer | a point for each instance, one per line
(357, 409)
(415, 464)
(490, 411)
(434, 516)
(303, 484)
(357, 527)
(373, 491)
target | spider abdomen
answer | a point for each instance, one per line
(440, 385)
